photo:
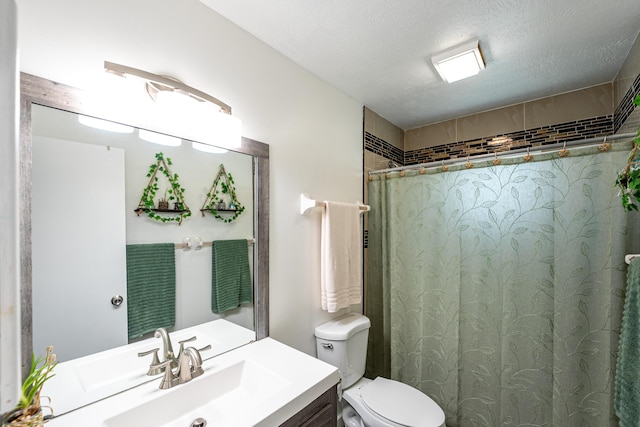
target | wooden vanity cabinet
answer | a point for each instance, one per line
(322, 412)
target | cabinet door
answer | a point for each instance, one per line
(326, 417)
(322, 412)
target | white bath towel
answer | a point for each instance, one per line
(341, 256)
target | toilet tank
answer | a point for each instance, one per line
(342, 342)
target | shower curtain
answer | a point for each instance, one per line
(498, 290)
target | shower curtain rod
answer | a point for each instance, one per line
(587, 141)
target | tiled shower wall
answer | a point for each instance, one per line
(502, 129)
(571, 116)
(626, 87)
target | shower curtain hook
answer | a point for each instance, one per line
(496, 160)
(528, 157)
(605, 146)
(564, 152)
(468, 165)
(444, 167)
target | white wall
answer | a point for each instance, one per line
(9, 219)
(314, 131)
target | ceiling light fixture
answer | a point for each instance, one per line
(459, 62)
(191, 107)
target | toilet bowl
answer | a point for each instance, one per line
(380, 402)
(386, 403)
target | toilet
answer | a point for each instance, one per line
(380, 402)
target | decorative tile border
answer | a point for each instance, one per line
(570, 131)
(545, 135)
(626, 106)
(383, 148)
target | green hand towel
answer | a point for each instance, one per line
(627, 381)
(151, 287)
(230, 275)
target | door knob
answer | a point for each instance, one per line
(116, 300)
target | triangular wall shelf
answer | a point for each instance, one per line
(222, 204)
(173, 195)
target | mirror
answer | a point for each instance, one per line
(43, 101)
(86, 185)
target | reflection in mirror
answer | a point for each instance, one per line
(73, 227)
(87, 183)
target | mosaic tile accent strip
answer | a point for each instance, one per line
(383, 148)
(626, 106)
(570, 131)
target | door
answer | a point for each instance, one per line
(78, 199)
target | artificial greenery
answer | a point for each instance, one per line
(226, 194)
(628, 180)
(173, 194)
(29, 406)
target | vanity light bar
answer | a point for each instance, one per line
(123, 70)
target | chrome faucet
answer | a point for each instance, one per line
(189, 362)
(189, 367)
(168, 349)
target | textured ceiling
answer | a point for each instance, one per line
(378, 51)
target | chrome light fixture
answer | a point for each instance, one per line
(210, 119)
(459, 62)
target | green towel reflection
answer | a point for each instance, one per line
(230, 275)
(151, 287)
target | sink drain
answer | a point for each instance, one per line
(199, 422)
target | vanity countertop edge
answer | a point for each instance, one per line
(308, 378)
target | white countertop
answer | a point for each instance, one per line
(87, 379)
(298, 380)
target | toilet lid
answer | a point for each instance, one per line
(401, 403)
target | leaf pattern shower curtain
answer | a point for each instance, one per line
(498, 290)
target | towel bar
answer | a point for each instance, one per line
(630, 257)
(198, 244)
(307, 204)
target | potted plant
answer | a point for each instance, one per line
(628, 180)
(28, 412)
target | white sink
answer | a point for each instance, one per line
(123, 366)
(217, 398)
(260, 384)
(87, 379)
(103, 370)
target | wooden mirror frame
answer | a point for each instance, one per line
(40, 91)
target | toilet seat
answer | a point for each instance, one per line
(400, 403)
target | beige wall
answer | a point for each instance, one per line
(594, 101)
(628, 73)
(623, 82)
(383, 129)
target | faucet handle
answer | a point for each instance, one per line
(169, 380)
(154, 362)
(193, 338)
(205, 348)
